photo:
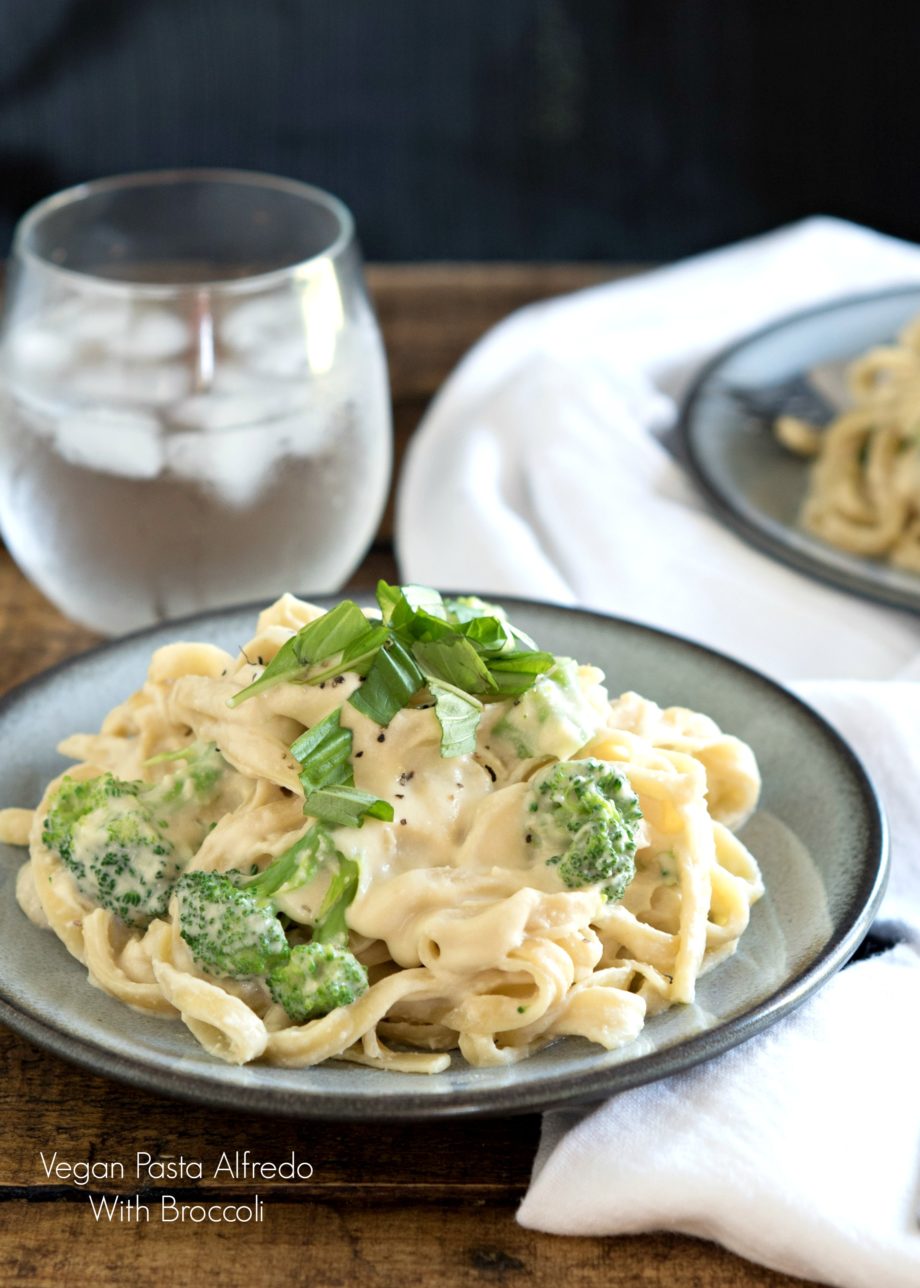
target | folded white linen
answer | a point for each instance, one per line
(801, 1148)
(541, 470)
(793, 1150)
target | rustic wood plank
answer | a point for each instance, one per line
(34, 634)
(352, 1246)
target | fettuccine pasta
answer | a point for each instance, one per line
(469, 925)
(864, 487)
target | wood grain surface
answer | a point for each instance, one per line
(386, 1204)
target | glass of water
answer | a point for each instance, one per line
(195, 408)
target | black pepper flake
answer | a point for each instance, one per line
(339, 679)
(260, 660)
(322, 684)
(491, 772)
(405, 777)
(399, 796)
(224, 671)
(381, 737)
(358, 755)
(528, 838)
(403, 822)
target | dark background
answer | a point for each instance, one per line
(485, 129)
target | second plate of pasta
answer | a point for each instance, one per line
(496, 903)
(839, 384)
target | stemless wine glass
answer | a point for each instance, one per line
(195, 408)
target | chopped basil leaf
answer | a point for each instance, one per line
(319, 639)
(324, 754)
(388, 597)
(424, 599)
(399, 604)
(424, 626)
(490, 634)
(454, 660)
(458, 714)
(467, 608)
(459, 647)
(330, 633)
(283, 666)
(345, 806)
(514, 673)
(357, 657)
(392, 680)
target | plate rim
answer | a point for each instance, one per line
(562, 1090)
(722, 502)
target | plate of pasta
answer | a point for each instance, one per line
(806, 439)
(418, 854)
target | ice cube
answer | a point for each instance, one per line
(217, 411)
(213, 413)
(249, 325)
(35, 351)
(89, 323)
(304, 435)
(130, 328)
(151, 335)
(130, 385)
(127, 444)
(236, 464)
(287, 357)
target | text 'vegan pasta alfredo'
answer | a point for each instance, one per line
(381, 836)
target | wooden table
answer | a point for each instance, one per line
(388, 1204)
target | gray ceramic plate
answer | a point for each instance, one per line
(819, 836)
(754, 484)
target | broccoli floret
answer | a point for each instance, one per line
(318, 978)
(108, 838)
(231, 924)
(323, 975)
(113, 835)
(228, 929)
(586, 815)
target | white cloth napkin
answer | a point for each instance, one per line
(543, 469)
(540, 469)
